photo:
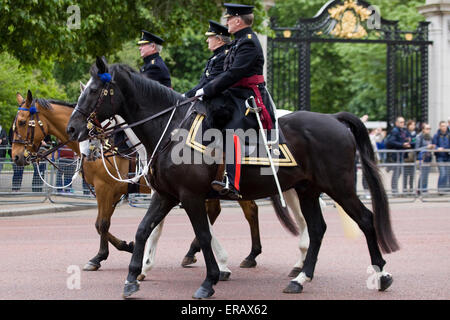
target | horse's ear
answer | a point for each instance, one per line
(29, 98)
(102, 65)
(82, 87)
(19, 98)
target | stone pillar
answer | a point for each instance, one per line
(263, 38)
(437, 12)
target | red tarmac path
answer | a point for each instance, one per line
(37, 250)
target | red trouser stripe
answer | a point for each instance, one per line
(237, 152)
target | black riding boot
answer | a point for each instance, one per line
(225, 187)
(230, 184)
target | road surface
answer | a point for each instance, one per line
(41, 254)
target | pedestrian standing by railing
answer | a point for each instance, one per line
(66, 168)
(380, 137)
(17, 170)
(442, 141)
(408, 173)
(3, 144)
(37, 182)
(424, 157)
(397, 139)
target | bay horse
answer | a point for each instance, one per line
(323, 145)
(54, 116)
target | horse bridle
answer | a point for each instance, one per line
(34, 155)
(28, 142)
(93, 124)
(97, 131)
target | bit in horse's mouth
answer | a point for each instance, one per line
(21, 161)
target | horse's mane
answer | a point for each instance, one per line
(162, 95)
(47, 103)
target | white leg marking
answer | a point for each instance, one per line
(302, 278)
(219, 252)
(150, 249)
(293, 203)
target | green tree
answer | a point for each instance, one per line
(187, 60)
(16, 78)
(32, 29)
(185, 50)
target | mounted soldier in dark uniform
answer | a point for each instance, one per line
(154, 68)
(218, 41)
(242, 78)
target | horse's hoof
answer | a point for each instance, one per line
(130, 288)
(203, 293)
(293, 287)
(248, 263)
(295, 272)
(91, 266)
(141, 277)
(224, 275)
(385, 282)
(188, 261)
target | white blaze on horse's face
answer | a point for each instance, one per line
(83, 88)
(87, 85)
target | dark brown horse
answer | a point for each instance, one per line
(54, 116)
(323, 145)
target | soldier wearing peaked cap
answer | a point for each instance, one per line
(154, 68)
(242, 77)
(218, 39)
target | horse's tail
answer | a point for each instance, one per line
(283, 215)
(380, 204)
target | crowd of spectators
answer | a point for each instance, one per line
(411, 148)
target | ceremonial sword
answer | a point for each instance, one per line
(254, 108)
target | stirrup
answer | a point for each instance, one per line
(233, 193)
(222, 187)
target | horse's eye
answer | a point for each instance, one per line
(22, 123)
